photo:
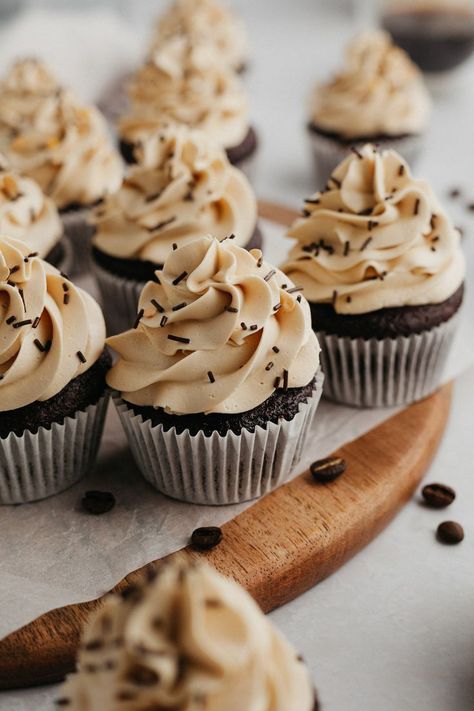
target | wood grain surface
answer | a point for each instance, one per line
(284, 543)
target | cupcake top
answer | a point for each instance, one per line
(187, 83)
(25, 91)
(219, 332)
(26, 213)
(375, 238)
(191, 639)
(208, 22)
(380, 92)
(68, 152)
(50, 330)
(183, 188)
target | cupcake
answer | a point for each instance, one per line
(52, 377)
(28, 215)
(382, 268)
(188, 83)
(208, 22)
(219, 379)
(189, 639)
(66, 148)
(379, 97)
(183, 188)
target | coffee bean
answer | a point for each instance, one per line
(450, 532)
(205, 538)
(98, 502)
(438, 496)
(326, 470)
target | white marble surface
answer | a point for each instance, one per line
(393, 630)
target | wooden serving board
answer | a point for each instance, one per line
(284, 543)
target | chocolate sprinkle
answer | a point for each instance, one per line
(66, 298)
(42, 348)
(346, 248)
(260, 261)
(277, 307)
(285, 379)
(253, 327)
(401, 170)
(270, 274)
(81, 356)
(417, 206)
(178, 339)
(36, 322)
(164, 321)
(179, 278)
(231, 309)
(313, 201)
(179, 306)
(275, 349)
(139, 318)
(211, 377)
(157, 306)
(357, 152)
(294, 289)
(63, 701)
(19, 324)
(243, 326)
(276, 382)
(14, 269)
(269, 365)
(10, 320)
(366, 244)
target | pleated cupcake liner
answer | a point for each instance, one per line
(329, 153)
(36, 465)
(219, 470)
(387, 372)
(119, 297)
(79, 232)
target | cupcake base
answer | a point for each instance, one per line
(121, 282)
(220, 469)
(329, 149)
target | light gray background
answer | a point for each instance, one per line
(394, 629)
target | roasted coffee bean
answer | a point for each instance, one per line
(450, 532)
(326, 470)
(98, 502)
(205, 538)
(438, 496)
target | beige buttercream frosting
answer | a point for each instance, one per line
(187, 83)
(68, 151)
(184, 187)
(219, 332)
(190, 640)
(205, 21)
(50, 330)
(380, 91)
(26, 213)
(375, 238)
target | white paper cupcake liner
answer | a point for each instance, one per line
(328, 153)
(119, 297)
(385, 373)
(79, 233)
(219, 469)
(37, 465)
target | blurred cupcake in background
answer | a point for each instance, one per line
(184, 187)
(189, 639)
(206, 22)
(382, 267)
(53, 395)
(28, 215)
(219, 378)
(65, 147)
(188, 83)
(379, 97)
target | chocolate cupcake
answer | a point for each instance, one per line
(183, 188)
(379, 97)
(206, 22)
(29, 215)
(219, 379)
(186, 82)
(188, 639)
(382, 267)
(53, 394)
(65, 147)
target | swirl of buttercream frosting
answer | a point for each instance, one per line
(26, 213)
(68, 151)
(380, 92)
(375, 238)
(184, 187)
(219, 332)
(187, 83)
(191, 639)
(50, 330)
(205, 21)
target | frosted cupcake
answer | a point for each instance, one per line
(187, 83)
(190, 639)
(52, 377)
(219, 378)
(209, 22)
(379, 97)
(66, 149)
(28, 215)
(382, 267)
(183, 188)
